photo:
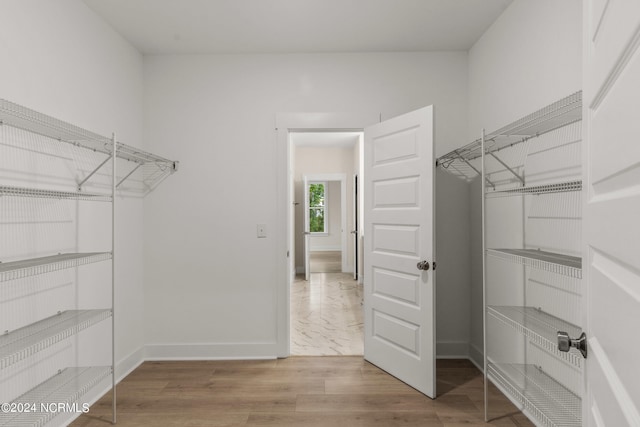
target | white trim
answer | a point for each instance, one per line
(325, 208)
(480, 365)
(476, 356)
(286, 122)
(331, 248)
(452, 350)
(300, 269)
(211, 351)
(129, 363)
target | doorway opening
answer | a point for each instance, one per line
(325, 295)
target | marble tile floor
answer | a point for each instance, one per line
(326, 315)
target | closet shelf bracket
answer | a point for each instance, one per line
(521, 179)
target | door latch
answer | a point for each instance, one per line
(565, 342)
(423, 265)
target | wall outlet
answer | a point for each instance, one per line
(262, 231)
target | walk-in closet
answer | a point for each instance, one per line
(319, 213)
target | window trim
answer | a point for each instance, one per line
(325, 208)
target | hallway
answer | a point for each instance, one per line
(326, 315)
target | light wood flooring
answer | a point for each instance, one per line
(332, 391)
(297, 391)
(325, 262)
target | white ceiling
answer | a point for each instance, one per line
(298, 26)
(325, 139)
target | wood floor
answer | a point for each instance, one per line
(325, 262)
(330, 391)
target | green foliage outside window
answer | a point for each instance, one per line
(316, 208)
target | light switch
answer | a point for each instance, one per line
(262, 231)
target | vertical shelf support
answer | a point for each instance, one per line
(114, 180)
(484, 281)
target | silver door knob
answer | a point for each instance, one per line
(306, 232)
(565, 342)
(423, 265)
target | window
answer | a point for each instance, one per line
(318, 207)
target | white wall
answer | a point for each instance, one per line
(530, 57)
(453, 274)
(62, 60)
(210, 283)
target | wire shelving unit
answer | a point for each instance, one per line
(154, 168)
(463, 161)
(566, 265)
(28, 340)
(42, 265)
(498, 158)
(539, 327)
(548, 401)
(92, 161)
(65, 388)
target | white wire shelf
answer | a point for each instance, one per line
(561, 113)
(539, 327)
(51, 194)
(552, 404)
(65, 388)
(559, 187)
(548, 261)
(20, 117)
(31, 267)
(24, 342)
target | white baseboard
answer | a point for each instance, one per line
(300, 270)
(452, 350)
(211, 351)
(476, 356)
(326, 248)
(128, 364)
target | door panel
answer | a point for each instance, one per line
(404, 288)
(398, 297)
(612, 207)
(396, 193)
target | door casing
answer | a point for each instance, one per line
(285, 124)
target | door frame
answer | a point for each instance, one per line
(286, 123)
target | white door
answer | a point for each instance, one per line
(399, 234)
(306, 231)
(611, 263)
